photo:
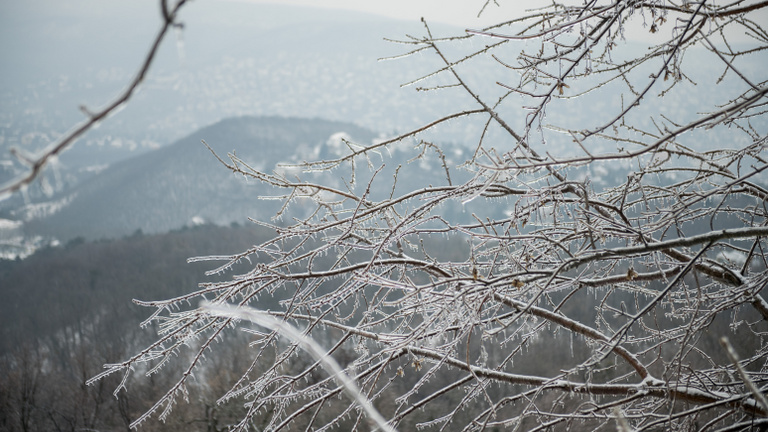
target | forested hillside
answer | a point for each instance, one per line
(167, 188)
(67, 311)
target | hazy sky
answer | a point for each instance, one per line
(463, 13)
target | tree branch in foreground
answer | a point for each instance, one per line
(36, 164)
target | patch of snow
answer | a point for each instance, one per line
(7, 225)
(150, 144)
(599, 170)
(20, 247)
(731, 257)
(95, 169)
(43, 209)
(336, 143)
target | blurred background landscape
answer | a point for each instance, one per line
(118, 214)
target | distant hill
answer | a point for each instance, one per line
(183, 183)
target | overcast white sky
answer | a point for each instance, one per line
(462, 13)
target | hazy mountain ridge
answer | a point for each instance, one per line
(253, 61)
(183, 183)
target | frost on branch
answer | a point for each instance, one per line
(575, 270)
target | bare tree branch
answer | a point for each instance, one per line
(37, 163)
(574, 272)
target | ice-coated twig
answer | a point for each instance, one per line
(734, 358)
(36, 164)
(309, 345)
